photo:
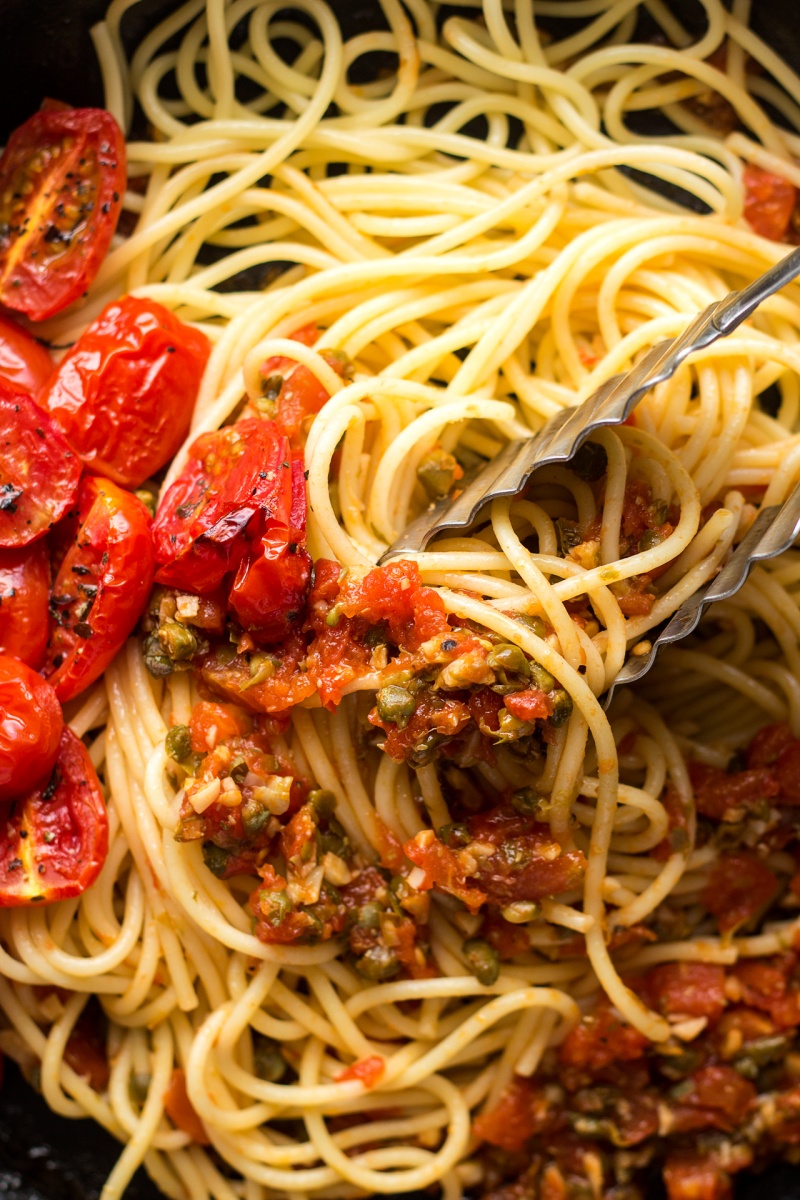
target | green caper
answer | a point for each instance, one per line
(437, 472)
(268, 1062)
(139, 1086)
(255, 817)
(649, 539)
(178, 742)
(509, 659)
(535, 624)
(271, 387)
(482, 960)
(395, 705)
(147, 498)
(530, 803)
(323, 800)
(569, 535)
(659, 511)
(155, 659)
(542, 677)
(454, 835)
(216, 859)
(280, 906)
(177, 641)
(369, 915)
(378, 964)
(262, 667)
(333, 839)
(424, 752)
(591, 462)
(333, 618)
(562, 707)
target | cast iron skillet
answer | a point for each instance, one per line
(47, 52)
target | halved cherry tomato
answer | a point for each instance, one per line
(38, 471)
(23, 360)
(62, 176)
(236, 481)
(53, 843)
(24, 593)
(123, 395)
(270, 589)
(30, 728)
(101, 587)
(292, 393)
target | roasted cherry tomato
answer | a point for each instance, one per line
(30, 728)
(102, 584)
(38, 472)
(62, 177)
(291, 393)
(237, 480)
(24, 593)
(769, 202)
(269, 592)
(123, 395)
(23, 360)
(54, 842)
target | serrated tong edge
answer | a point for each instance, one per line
(563, 434)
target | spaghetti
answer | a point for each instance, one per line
(478, 237)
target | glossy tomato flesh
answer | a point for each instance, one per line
(123, 395)
(24, 595)
(23, 360)
(39, 472)
(237, 480)
(269, 592)
(30, 728)
(62, 177)
(101, 587)
(54, 842)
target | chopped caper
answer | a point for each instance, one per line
(482, 960)
(238, 770)
(542, 677)
(178, 742)
(395, 705)
(333, 618)
(424, 752)
(509, 659)
(147, 498)
(323, 800)
(569, 535)
(437, 472)
(591, 462)
(216, 859)
(530, 803)
(139, 1086)
(369, 915)
(562, 707)
(535, 624)
(155, 659)
(177, 641)
(333, 840)
(375, 636)
(268, 1062)
(378, 964)
(262, 667)
(659, 511)
(271, 386)
(454, 835)
(649, 539)
(280, 906)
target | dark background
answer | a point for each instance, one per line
(47, 52)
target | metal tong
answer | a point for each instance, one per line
(773, 532)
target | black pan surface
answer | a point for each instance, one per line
(47, 52)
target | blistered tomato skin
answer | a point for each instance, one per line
(30, 728)
(23, 360)
(101, 587)
(62, 178)
(24, 594)
(54, 841)
(123, 395)
(39, 472)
